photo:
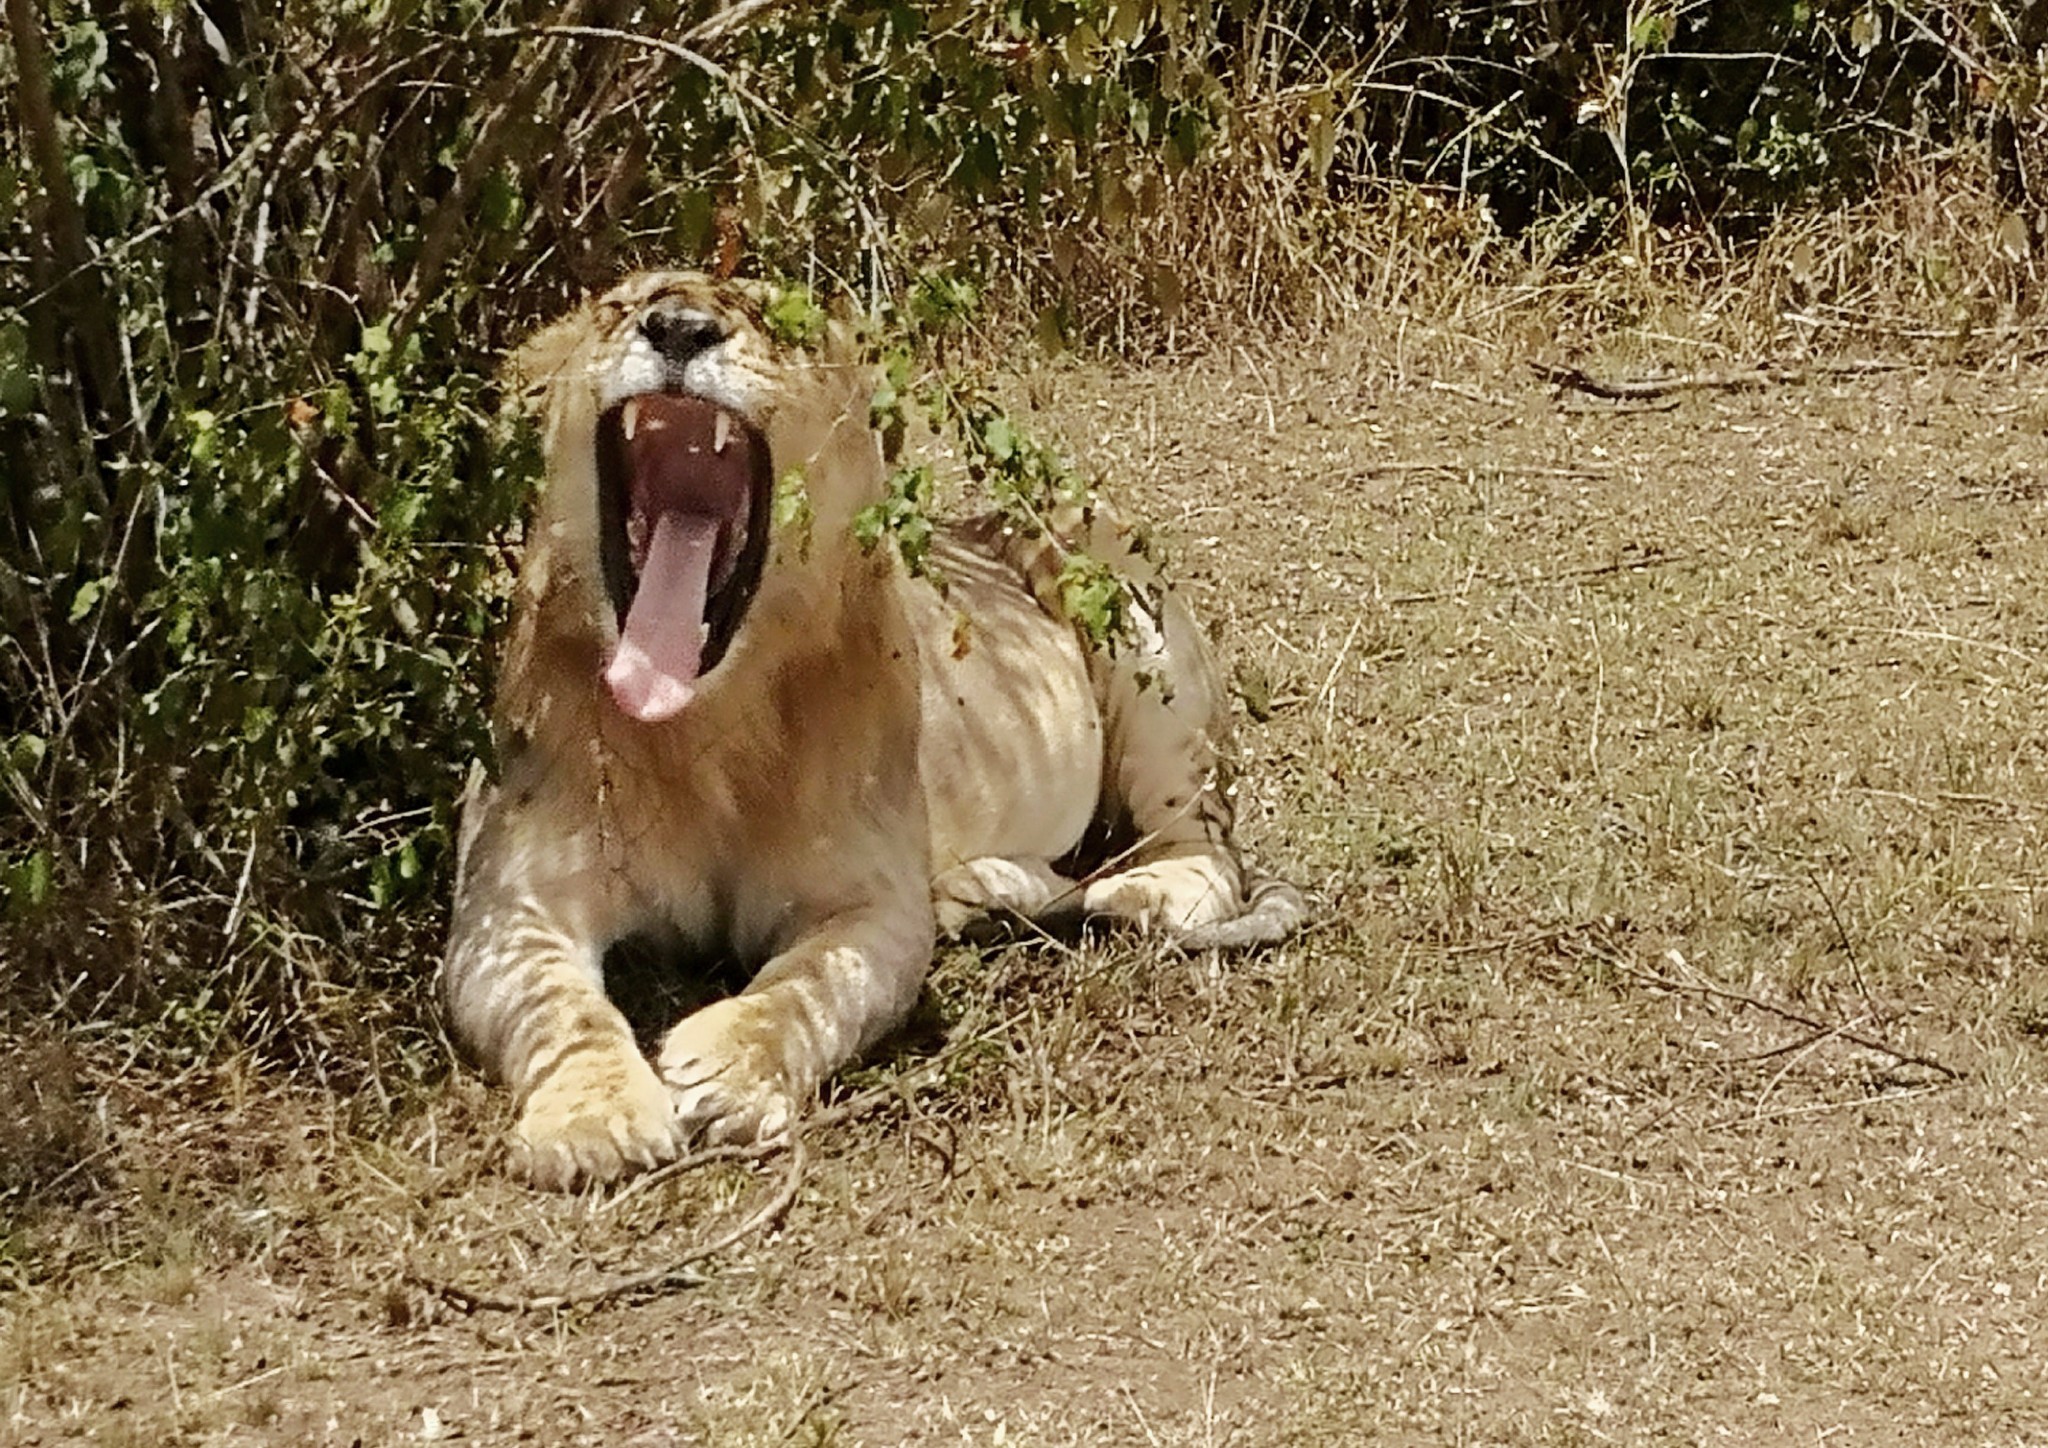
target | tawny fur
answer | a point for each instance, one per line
(870, 762)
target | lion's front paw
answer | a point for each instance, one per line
(595, 1118)
(724, 1066)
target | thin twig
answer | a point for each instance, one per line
(683, 1165)
(1330, 679)
(1902, 330)
(728, 20)
(1572, 575)
(1848, 946)
(1573, 379)
(1650, 407)
(1472, 394)
(1506, 943)
(1784, 1113)
(1943, 636)
(1800, 1052)
(675, 1272)
(854, 1107)
(1868, 1043)
(1497, 468)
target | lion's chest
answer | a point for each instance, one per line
(752, 819)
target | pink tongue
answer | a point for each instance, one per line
(652, 674)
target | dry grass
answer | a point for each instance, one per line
(1614, 742)
(1928, 263)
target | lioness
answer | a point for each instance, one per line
(785, 748)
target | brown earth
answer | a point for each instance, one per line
(1667, 1065)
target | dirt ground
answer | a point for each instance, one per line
(1666, 1066)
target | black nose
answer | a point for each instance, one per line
(678, 333)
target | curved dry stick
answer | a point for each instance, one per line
(1573, 379)
(674, 1273)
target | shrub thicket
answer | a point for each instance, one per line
(256, 262)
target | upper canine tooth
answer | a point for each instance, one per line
(721, 432)
(630, 418)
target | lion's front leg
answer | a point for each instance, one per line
(524, 986)
(742, 1069)
(531, 1004)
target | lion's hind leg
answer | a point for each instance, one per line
(1181, 875)
(994, 887)
(1200, 899)
(1188, 900)
(1178, 871)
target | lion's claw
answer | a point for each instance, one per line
(725, 1076)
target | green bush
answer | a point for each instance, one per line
(258, 265)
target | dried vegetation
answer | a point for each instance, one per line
(1666, 1066)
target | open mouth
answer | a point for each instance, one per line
(683, 497)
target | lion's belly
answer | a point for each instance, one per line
(1012, 740)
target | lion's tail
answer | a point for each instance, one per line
(1273, 911)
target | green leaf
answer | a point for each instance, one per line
(943, 299)
(793, 317)
(26, 752)
(1653, 31)
(1094, 597)
(205, 434)
(258, 720)
(501, 204)
(900, 515)
(791, 514)
(87, 598)
(1051, 331)
(28, 882)
(694, 226)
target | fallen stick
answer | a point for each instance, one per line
(1472, 394)
(1643, 408)
(673, 1273)
(1822, 1028)
(1575, 379)
(1397, 467)
(1570, 575)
